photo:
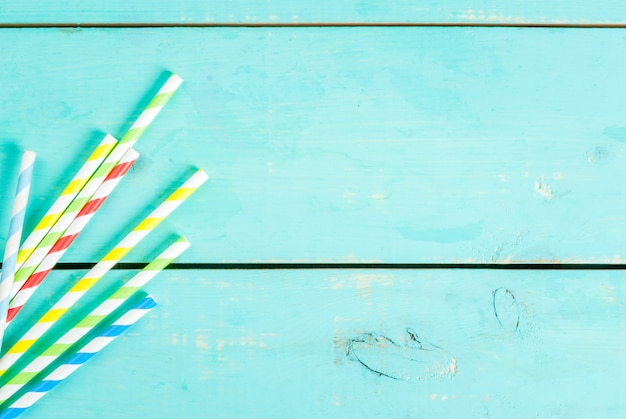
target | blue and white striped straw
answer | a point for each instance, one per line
(74, 359)
(15, 234)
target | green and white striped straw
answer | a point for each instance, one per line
(93, 319)
(137, 307)
(126, 143)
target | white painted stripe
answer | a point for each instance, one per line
(68, 299)
(49, 261)
(172, 84)
(62, 372)
(36, 331)
(7, 360)
(78, 225)
(27, 400)
(63, 223)
(96, 344)
(20, 298)
(8, 390)
(107, 307)
(73, 335)
(131, 317)
(100, 269)
(39, 363)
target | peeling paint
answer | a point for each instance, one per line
(607, 293)
(378, 196)
(543, 189)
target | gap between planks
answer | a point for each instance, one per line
(310, 25)
(350, 266)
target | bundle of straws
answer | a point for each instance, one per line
(25, 266)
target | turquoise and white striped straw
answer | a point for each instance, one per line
(15, 234)
(74, 359)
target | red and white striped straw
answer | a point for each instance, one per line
(23, 294)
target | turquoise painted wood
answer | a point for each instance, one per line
(304, 344)
(336, 144)
(293, 11)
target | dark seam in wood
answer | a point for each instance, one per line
(328, 266)
(309, 25)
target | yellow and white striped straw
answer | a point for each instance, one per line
(98, 271)
(64, 200)
(47, 241)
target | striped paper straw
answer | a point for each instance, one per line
(71, 359)
(56, 231)
(98, 271)
(126, 143)
(29, 286)
(152, 110)
(66, 197)
(15, 234)
(109, 305)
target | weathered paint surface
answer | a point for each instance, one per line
(277, 344)
(341, 145)
(295, 11)
(336, 144)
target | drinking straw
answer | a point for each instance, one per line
(152, 110)
(127, 142)
(66, 197)
(98, 271)
(15, 234)
(114, 301)
(28, 287)
(56, 231)
(71, 359)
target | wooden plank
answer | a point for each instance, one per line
(293, 11)
(278, 344)
(336, 144)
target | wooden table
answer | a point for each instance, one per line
(380, 175)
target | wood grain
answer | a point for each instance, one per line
(276, 344)
(293, 11)
(335, 144)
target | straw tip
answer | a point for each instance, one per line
(201, 175)
(175, 81)
(109, 139)
(29, 156)
(182, 239)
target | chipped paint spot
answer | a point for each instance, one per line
(557, 176)
(201, 343)
(543, 188)
(363, 283)
(502, 178)
(378, 196)
(253, 340)
(350, 197)
(221, 343)
(482, 16)
(607, 293)
(415, 360)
